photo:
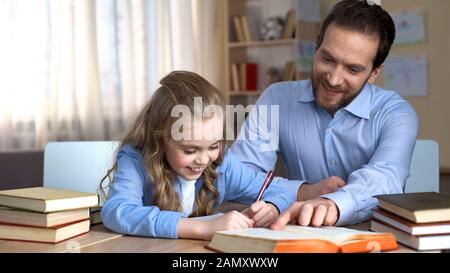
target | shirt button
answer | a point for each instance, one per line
(333, 162)
(329, 131)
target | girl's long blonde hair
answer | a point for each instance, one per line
(153, 127)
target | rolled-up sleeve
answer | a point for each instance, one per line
(385, 173)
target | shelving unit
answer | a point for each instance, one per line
(244, 93)
(265, 53)
(262, 43)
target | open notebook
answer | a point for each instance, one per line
(301, 239)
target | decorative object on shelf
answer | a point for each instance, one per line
(272, 28)
(304, 55)
(272, 75)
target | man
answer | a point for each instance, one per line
(346, 138)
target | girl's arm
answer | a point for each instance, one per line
(125, 212)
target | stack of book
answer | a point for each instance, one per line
(418, 220)
(44, 214)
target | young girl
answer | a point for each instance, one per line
(161, 179)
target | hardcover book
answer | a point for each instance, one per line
(44, 235)
(422, 207)
(300, 239)
(47, 199)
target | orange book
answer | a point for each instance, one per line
(298, 239)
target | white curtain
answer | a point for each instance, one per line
(198, 38)
(82, 69)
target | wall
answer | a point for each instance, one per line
(21, 169)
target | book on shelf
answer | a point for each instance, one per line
(238, 29)
(289, 25)
(251, 77)
(234, 77)
(289, 71)
(410, 227)
(29, 218)
(44, 235)
(300, 239)
(243, 76)
(422, 207)
(422, 242)
(246, 29)
(46, 200)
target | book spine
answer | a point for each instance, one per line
(238, 30)
(234, 77)
(246, 28)
(252, 77)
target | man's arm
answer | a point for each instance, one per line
(385, 173)
(257, 146)
(258, 141)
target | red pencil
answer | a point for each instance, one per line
(264, 186)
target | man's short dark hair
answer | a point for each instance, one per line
(363, 17)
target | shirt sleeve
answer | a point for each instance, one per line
(258, 140)
(242, 184)
(124, 211)
(385, 173)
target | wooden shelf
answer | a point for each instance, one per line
(262, 43)
(244, 93)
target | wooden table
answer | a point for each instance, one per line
(97, 235)
(101, 240)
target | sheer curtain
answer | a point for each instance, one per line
(198, 38)
(81, 69)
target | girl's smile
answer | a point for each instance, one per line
(190, 158)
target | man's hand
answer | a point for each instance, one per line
(312, 191)
(316, 212)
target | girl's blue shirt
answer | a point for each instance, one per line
(130, 209)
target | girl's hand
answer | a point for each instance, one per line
(229, 221)
(199, 229)
(264, 214)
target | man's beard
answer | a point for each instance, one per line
(332, 108)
